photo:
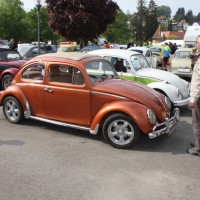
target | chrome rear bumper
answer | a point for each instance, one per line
(168, 125)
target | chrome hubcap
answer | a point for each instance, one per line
(11, 110)
(120, 132)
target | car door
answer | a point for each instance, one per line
(67, 96)
(32, 86)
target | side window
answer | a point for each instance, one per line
(118, 63)
(143, 62)
(65, 74)
(34, 72)
(147, 54)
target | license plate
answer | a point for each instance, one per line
(183, 70)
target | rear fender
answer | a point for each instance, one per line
(136, 111)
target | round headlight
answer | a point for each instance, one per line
(151, 116)
(168, 102)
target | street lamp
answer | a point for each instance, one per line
(38, 6)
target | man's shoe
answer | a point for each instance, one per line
(193, 152)
(192, 144)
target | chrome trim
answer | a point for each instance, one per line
(109, 95)
(62, 123)
(169, 125)
(27, 113)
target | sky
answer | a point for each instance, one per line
(131, 5)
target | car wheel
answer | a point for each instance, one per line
(120, 131)
(6, 81)
(12, 110)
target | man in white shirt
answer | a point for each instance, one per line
(194, 104)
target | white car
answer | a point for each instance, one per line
(152, 59)
(133, 66)
(181, 62)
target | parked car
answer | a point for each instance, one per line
(181, 62)
(29, 51)
(83, 91)
(151, 58)
(68, 46)
(159, 52)
(133, 66)
(91, 48)
(10, 62)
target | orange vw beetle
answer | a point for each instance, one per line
(83, 91)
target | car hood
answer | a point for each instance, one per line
(169, 77)
(135, 91)
(14, 63)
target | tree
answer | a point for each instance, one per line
(189, 17)
(197, 19)
(180, 14)
(80, 19)
(120, 30)
(139, 21)
(151, 20)
(11, 23)
(164, 11)
(31, 21)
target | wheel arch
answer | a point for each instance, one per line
(167, 89)
(136, 111)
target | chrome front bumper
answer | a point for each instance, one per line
(181, 103)
(166, 127)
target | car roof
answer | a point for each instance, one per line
(115, 52)
(138, 48)
(66, 55)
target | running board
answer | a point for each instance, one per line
(63, 124)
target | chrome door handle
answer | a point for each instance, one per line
(48, 89)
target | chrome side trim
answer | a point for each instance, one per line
(102, 93)
(60, 123)
(169, 125)
(27, 113)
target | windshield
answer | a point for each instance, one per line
(9, 55)
(100, 70)
(23, 49)
(138, 62)
(156, 50)
(182, 54)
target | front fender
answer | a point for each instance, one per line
(16, 92)
(137, 111)
(170, 90)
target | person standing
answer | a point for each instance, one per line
(106, 45)
(166, 56)
(194, 104)
(12, 44)
(115, 45)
